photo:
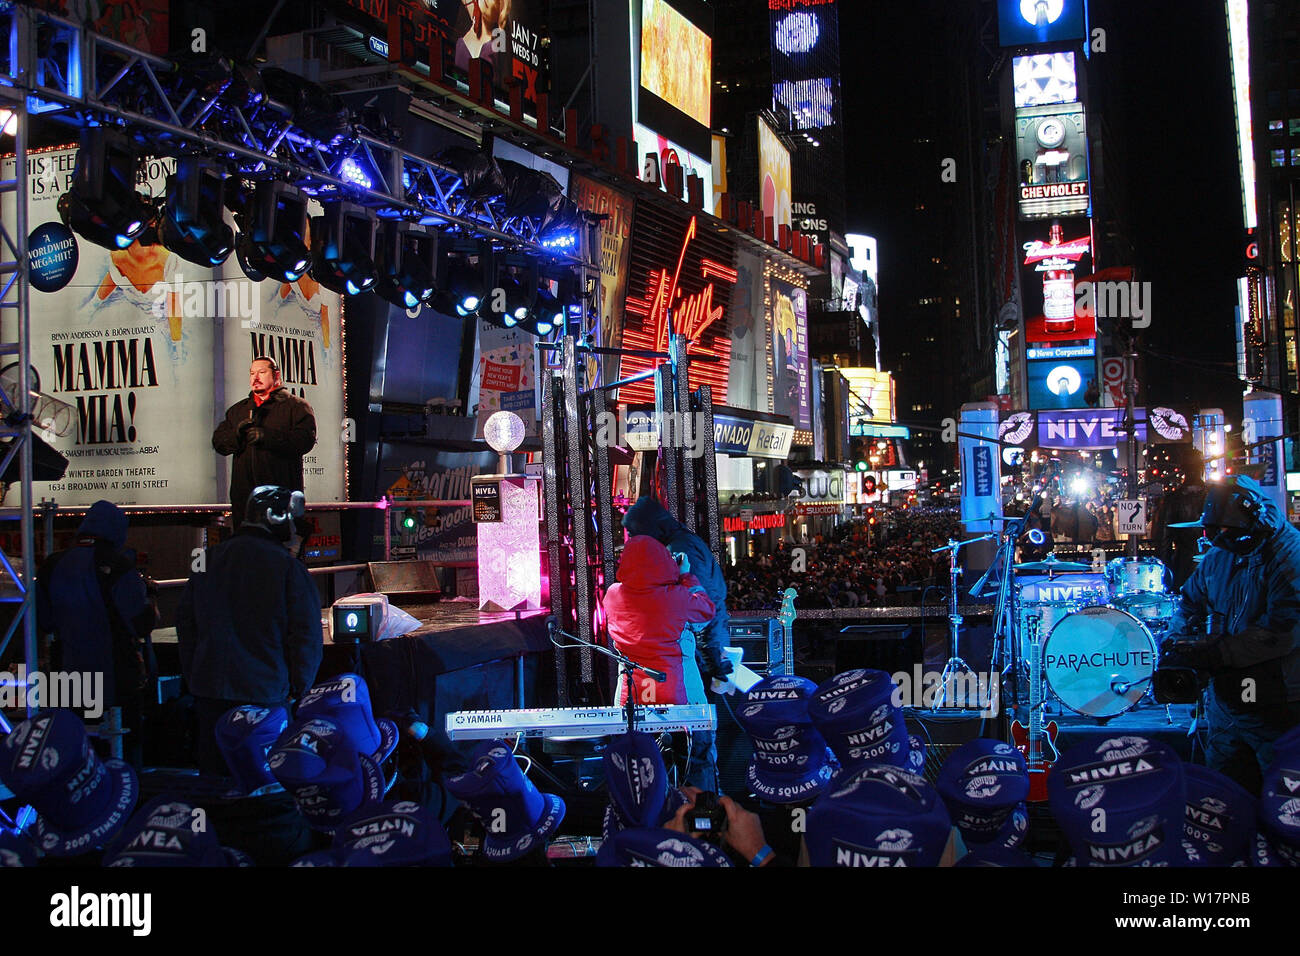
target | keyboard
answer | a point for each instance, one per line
(577, 721)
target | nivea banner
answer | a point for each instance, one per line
(1261, 420)
(981, 491)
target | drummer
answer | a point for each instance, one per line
(1249, 580)
(1176, 547)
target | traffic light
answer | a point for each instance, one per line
(409, 519)
(859, 449)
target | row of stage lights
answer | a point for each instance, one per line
(348, 249)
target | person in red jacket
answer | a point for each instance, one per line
(647, 612)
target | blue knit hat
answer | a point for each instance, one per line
(517, 817)
(791, 760)
(81, 802)
(1140, 786)
(878, 816)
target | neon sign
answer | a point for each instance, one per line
(666, 307)
(758, 522)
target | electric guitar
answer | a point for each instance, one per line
(1036, 742)
(786, 616)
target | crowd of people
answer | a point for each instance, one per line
(858, 565)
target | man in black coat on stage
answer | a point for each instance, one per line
(267, 433)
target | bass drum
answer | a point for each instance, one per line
(1099, 661)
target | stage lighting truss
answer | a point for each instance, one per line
(273, 232)
(102, 205)
(192, 223)
(343, 248)
(223, 110)
(407, 263)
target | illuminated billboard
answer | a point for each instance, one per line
(806, 60)
(875, 389)
(1052, 158)
(773, 175)
(658, 152)
(1044, 79)
(1059, 383)
(676, 64)
(791, 391)
(1052, 255)
(1030, 22)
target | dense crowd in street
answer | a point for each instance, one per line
(859, 565)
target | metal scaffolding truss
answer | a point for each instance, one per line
(72, 74)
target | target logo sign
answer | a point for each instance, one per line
(1112, 376)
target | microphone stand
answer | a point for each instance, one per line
(955, 664)
(626, 667)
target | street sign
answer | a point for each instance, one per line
(1131, 516)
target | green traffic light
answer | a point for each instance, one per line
(861, 466)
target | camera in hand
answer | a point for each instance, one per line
(708, 816)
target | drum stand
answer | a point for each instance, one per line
(955, 665)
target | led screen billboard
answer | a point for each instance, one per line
(1043, 79)
(1059, 383)
(773, 175)
(676, 65)
(1031, 22)
(1052, 158)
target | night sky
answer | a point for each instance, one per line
(1167, 61)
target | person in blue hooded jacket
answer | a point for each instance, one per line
(94, 602)
(1249, 581)
(647, 516)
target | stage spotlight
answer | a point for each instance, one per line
(192, 224)
(549, 310)
(517, 277)
(272, 231)
(407, 261)
(343, 248)
(102, 205)
(465, 277)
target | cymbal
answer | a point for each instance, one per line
(1051, 563)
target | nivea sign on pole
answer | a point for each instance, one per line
(981, 486)
(1262, 419)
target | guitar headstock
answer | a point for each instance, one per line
(787, 613)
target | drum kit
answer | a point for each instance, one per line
(1093, 638)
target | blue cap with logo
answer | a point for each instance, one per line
(639, 795)
(856, 712)
(655, 846)
(1220, 819)
(1140, 786)
(393, 833)
(517, 817)
(81, 802)
(879, 815)
(245, 736)
(345, 700)
(328, 779)
(983, 783)
(791, 760)
(169, 832)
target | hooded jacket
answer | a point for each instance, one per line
(93, 636)
(647, 610)
(649, 517)
(289, 432)
(1259, 596)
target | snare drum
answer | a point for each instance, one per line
(1137, 578)
(1099, 661)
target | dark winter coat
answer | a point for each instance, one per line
(289, 432)
(91, 636)
(248, 625)
(1259, 596)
